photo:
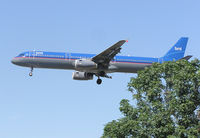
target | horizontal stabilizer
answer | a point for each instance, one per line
(186, 57)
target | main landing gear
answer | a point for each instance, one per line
(102, 74)
(99, 81)
(31, 73)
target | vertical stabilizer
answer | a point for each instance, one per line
(177, 51)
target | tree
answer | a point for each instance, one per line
(167, 98)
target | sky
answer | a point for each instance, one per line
(50, 104)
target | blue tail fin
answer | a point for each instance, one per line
(177, 51)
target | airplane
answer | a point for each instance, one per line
(88, 65)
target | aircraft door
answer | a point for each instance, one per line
(67, 56)
(29, 54)
(33, 54)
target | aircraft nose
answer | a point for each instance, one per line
(14, 61)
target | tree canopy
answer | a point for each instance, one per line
(167, 100)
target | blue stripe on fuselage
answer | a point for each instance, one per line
(73, 56)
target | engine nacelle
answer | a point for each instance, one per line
(82, 76)
(85, 64)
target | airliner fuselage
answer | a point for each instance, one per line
(58, 60)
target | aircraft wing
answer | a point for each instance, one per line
(107, 55)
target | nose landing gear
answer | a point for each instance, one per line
(31, 73)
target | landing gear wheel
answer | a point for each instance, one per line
(30, 74)
(99, 81)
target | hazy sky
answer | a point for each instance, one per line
(52, 105)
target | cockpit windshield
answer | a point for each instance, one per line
(22, 55)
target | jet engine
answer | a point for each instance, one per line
(82, 75)
(81, 64)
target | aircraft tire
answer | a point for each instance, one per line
(30, 74)
(99, 81)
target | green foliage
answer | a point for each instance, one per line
(167, 98)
